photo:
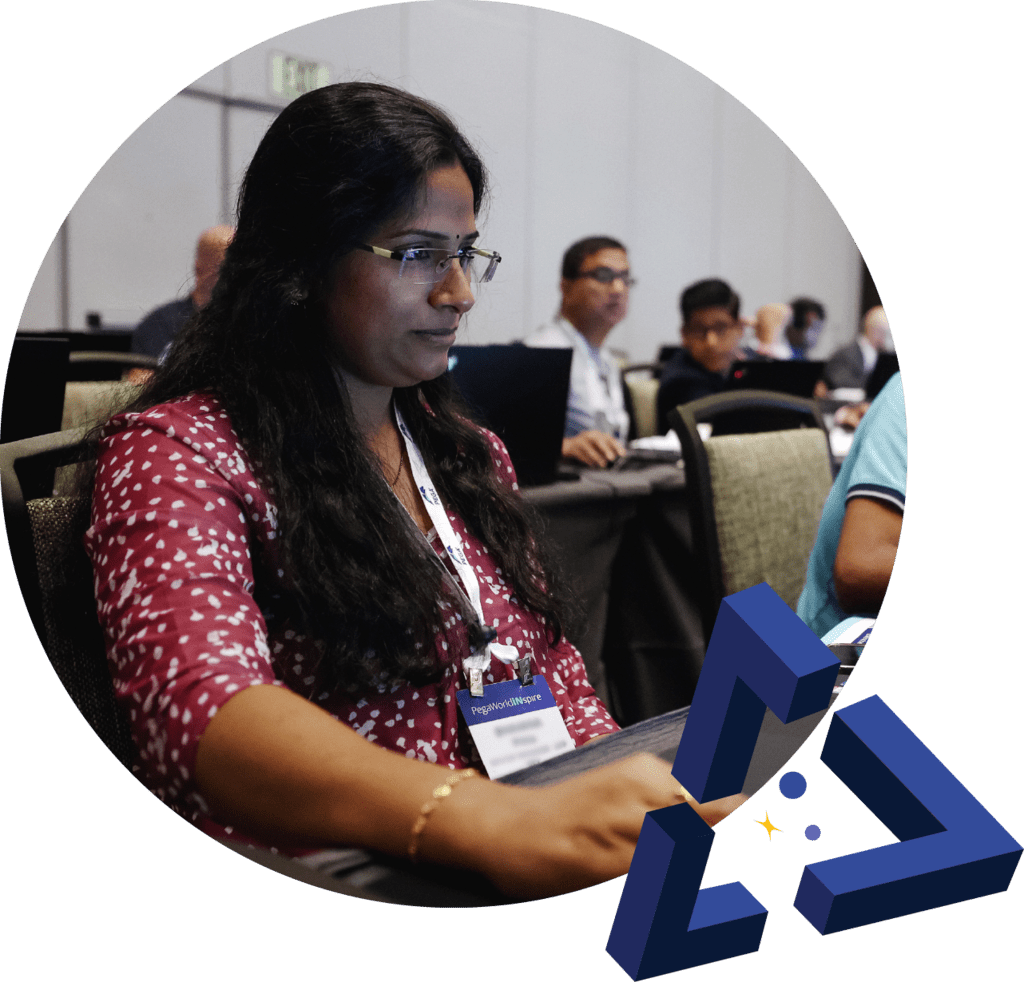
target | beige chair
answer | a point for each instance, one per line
(88, 403)
(756, 498)
(90, 396)
(642, 386)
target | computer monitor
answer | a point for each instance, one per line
(34, 392)
(795, 378)
(520, 394)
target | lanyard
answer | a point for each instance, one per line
(475, 663)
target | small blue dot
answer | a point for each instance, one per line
(812, 832)
(792, 785)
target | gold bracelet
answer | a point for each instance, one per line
(438, 795)
(685, 795)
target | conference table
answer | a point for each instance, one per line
(386, 879)
(623, 541)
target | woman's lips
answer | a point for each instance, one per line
(441, 335)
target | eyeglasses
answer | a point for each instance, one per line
(607, 276)
(723, 331)
(421, 265)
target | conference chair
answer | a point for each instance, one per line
(55, 576)
(100, 361)
(88, 364)
(44, 531)
(90, 395)
(755, 497)
(641, 382)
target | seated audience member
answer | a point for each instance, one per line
(803, 330)
(711, 333)
(769, 323)
(853, 556)
(296, 532)
(159, 327)
(850, 366)
(595, 297)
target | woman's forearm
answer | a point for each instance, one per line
(275, 765)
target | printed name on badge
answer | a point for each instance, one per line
(515, 726)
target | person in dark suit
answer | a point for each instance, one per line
(160, 326)
(711, 334)
(850, 366)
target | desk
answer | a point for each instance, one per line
(389, 880)
(584, 522)
(654, 640)
(623, 541)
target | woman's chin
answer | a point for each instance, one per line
(427, 370)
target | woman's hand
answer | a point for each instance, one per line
(281, 768)
(546, 841)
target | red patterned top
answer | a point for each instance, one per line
(182, 532)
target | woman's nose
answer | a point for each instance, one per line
(454, 289)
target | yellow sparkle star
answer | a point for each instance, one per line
(768, 827)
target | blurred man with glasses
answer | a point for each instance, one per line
(711, 334)
(595, 297)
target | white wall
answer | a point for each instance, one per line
(585, 131)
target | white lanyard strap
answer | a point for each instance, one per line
(478, 660)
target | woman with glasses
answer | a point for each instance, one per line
(303, 550)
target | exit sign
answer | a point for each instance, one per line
(291, 76)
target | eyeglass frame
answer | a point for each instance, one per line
(735, 328)
(606, 276)
(445, 264)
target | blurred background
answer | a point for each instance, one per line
(585, 131)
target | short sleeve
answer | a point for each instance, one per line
(880, 468)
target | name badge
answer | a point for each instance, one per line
(515, 726)
(862, 638)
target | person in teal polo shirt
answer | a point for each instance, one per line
(853, 556)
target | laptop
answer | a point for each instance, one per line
(34, 392)
(795, 378)
(520, 394)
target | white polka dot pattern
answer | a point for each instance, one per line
(181, 533)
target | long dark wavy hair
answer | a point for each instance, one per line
(336, 164)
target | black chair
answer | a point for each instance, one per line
(755, 495)
(44, 531)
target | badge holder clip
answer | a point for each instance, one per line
(524, 671)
